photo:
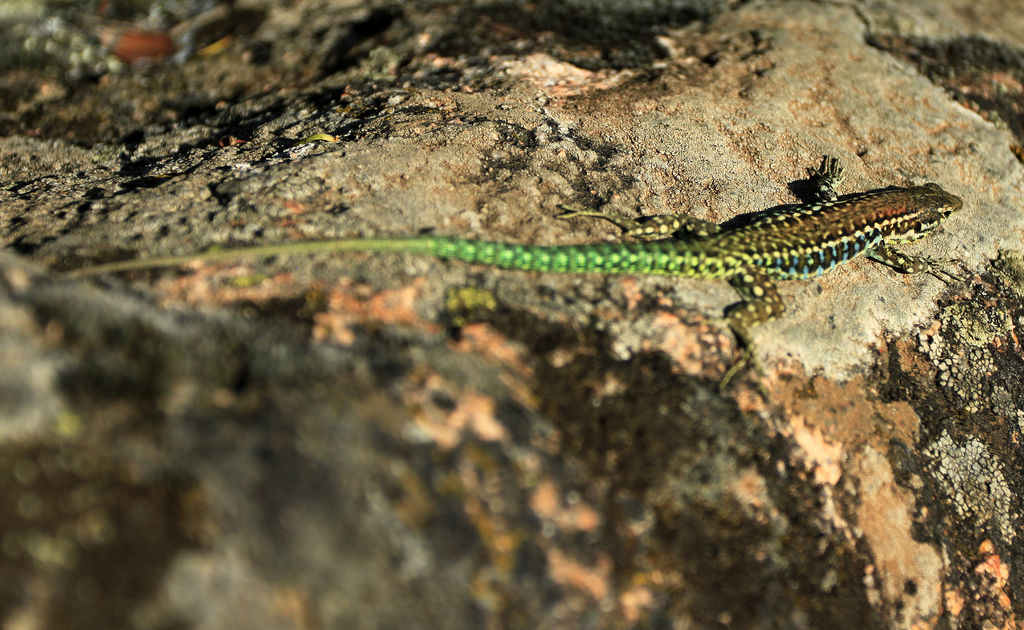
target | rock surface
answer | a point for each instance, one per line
(368, 441)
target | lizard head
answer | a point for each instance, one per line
(930, 206)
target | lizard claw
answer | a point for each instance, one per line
(746, 359)
(937, 268)
(574, 211)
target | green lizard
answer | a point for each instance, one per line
(788, 243)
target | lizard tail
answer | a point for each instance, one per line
(410, 245)
(639, 257)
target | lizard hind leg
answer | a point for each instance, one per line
(653, 227)
(624, 223)
(760, 303)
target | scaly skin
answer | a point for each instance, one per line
(790, 243)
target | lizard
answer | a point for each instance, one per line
(787, 243)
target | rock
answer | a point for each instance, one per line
(365, 441)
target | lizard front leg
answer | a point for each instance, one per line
(906, 263)
(827, 178)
